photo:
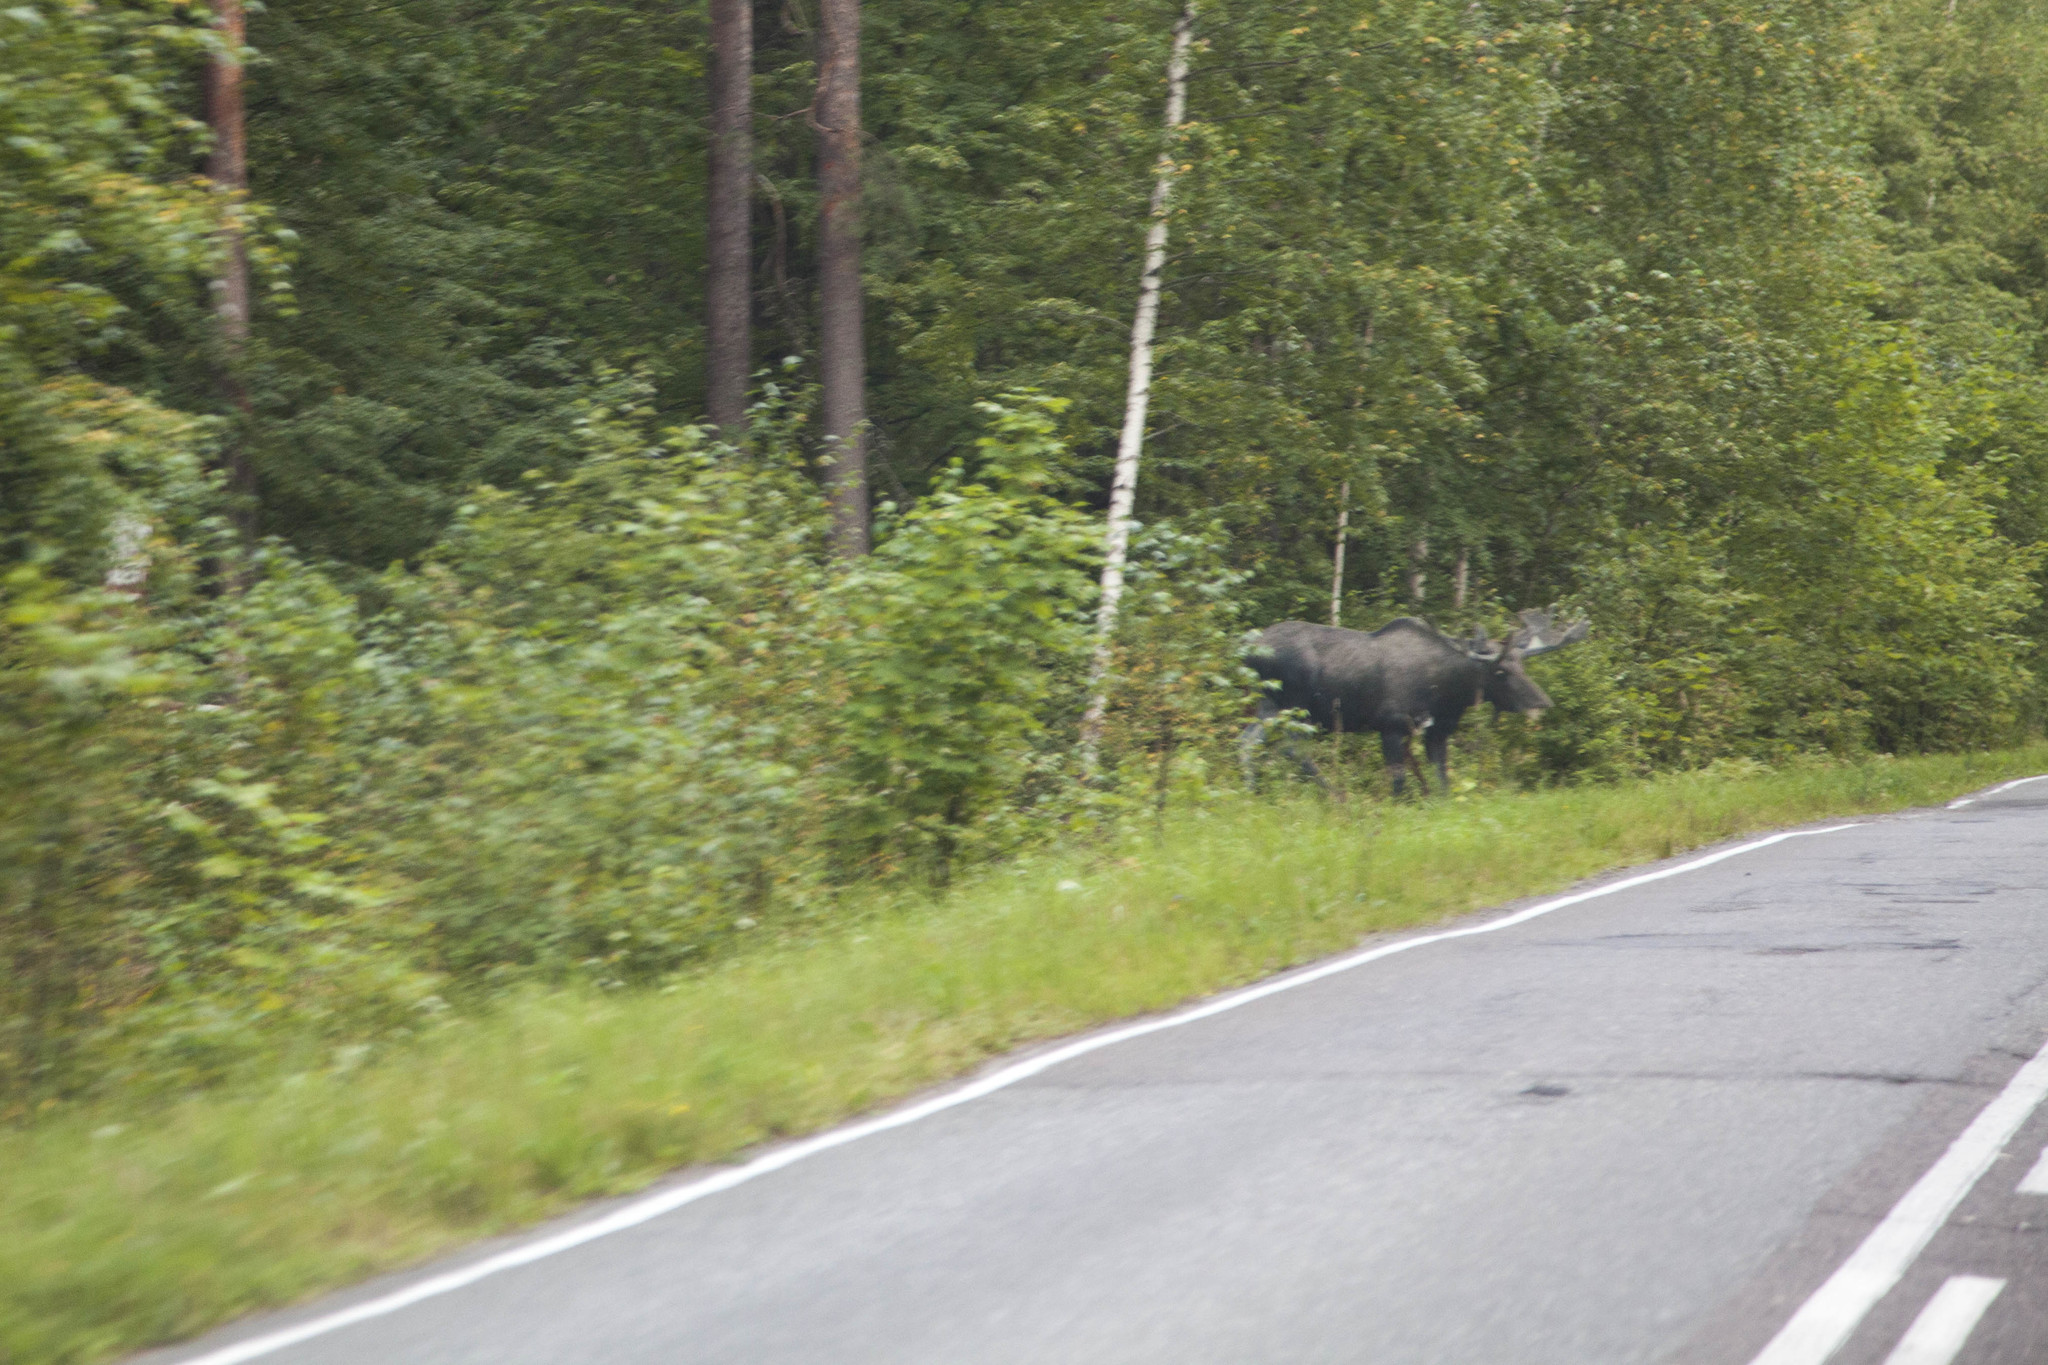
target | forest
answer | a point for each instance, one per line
(418, 635)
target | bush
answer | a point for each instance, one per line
(618, 720)
(953, 631)
(1180, 691)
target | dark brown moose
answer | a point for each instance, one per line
(1405, 679)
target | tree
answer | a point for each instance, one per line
(228, 167)
(1570, 299)
(728, 341)
(842, 355)
(499, 217)
(1123, 489)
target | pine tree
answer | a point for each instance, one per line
(729, 329)
(228, 167)
(842, 352)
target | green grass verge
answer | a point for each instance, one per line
(125, 1229)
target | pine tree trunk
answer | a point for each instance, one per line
(729, 293)
(1137, 398)
(228, 167)
(841, 354)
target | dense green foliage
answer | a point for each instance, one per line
(1720, 319)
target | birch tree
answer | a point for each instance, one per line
(1337, 555)
(1137, 396)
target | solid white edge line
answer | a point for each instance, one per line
(2035, 1181)
(1827, 1319)
(1959, 803)
(655, 1205)
(1937, 1335)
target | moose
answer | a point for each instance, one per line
(1405, 679)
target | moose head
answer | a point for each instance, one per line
(1505, 684)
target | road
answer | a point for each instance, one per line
(1774, 1108)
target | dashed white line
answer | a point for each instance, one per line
(2005, 787)
(1937, 1335)
(2035, 1181)
(1826, 1320)
(667, 1201)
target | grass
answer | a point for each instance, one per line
(126, 1229)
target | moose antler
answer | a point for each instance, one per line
(1539, 634)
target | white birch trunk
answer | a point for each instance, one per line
(1337, 559)
(1137, 397)
(128, 572)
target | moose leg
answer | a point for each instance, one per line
(1416, 726)
(1254, 736)
(1437, 745)
(1308, 765)
(1394, 750)
(1248, 750)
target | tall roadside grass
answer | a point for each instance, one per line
(132, 1227)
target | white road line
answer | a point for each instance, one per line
(666, 1201)
(1825, 1321)
(2036, 1180)
(1937, 1335)
(2006, 787)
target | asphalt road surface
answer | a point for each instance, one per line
(1781, 1107)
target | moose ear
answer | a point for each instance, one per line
(1483, 649)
